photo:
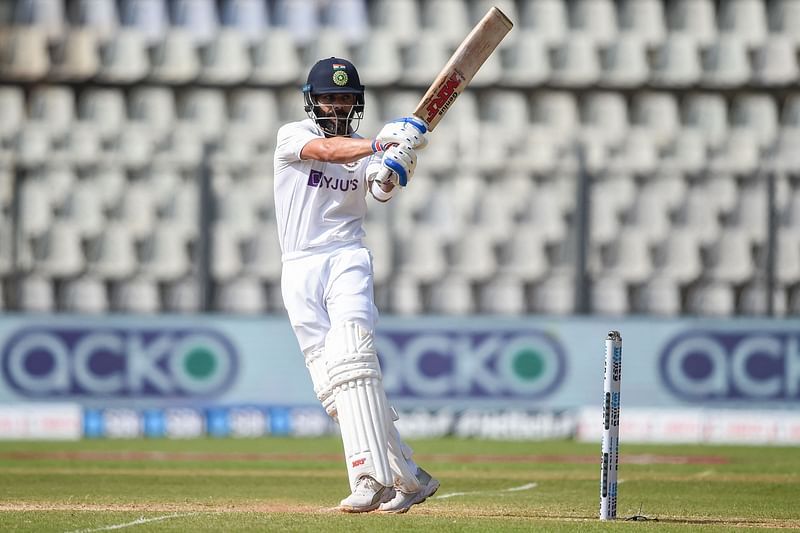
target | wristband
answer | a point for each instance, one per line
(380, 194)
(376, 146)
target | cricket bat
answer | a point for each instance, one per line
(462, 66)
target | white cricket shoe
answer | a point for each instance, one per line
(403, 501)
(367, 496)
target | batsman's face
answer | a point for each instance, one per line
(338, 110)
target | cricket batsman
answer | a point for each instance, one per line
(323, 174)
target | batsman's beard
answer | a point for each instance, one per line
(337, 122)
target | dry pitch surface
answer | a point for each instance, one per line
(294, 485)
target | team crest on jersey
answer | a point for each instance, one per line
(351, 166)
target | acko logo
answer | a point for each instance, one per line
(721, 365)
(461, 364)
(120, 362)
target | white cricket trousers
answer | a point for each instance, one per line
(328, 287)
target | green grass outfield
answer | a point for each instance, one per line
(276, 484)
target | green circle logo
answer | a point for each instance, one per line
(528, 364)
(340, 78)
(200, 363)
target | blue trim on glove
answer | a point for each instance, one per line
(414, 121)
(397, 168)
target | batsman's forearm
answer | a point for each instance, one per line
(337, 149)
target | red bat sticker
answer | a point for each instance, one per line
(444, 96)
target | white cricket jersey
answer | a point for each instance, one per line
(316, 203)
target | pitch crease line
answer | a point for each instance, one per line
(137, 522)
(527, 486)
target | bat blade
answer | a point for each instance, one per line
(462, 66)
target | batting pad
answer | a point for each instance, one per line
(364, 415)
(315, 362)
(405, 470)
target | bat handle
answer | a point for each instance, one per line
(383, 175)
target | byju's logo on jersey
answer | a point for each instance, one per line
(321, 181)
(121, 362)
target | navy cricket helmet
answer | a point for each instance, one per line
(333, 75)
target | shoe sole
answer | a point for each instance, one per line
(430, 490)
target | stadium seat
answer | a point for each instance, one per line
(447, 18)
(424, 59)
(275, 59)
(526, 62)
(165, 254)
(175, 59)
(555, 295)
(731, 257)
(503, 295)
(784, 18)
(523, 256)
(576, 62)
(12, 109)
(134, 147)
(226, 259)
(183, 296)
(709, 113)
(33, 145)
(124, 57)
(54, 107)
(547, 18)
(378, 58)
(625, 62)
(138, 295)
(61, 254)
(198, 17)
(775, 62)
(481, 7)
(241, 295)
(35, 294)
(750, 213)
(205, 110)
(349, 18)
(104, 109)
(112, 255)
(628, 257)
(739, 154)
(645, 19)
(608, 112)
(84, 208)
(678, 258)
(758, 113)
(753, 299)
(153, 106)
(84, 294)
(327, 42)
(472, 255)
(149, 17)
(421, 259)
(225, 60)
(558, 112)
(726, 63)
(676, 62)
(609, 296)
(23, 53)
(406, 296)
(535, 152)
(391, 14)
(453, 296)
(101, 17)
(695, 18)
(660, 296)
(595, 18)
(249, 18)
(35, 210)
(650, 214)
(711, 298)
(378, 240)
(235, 207)
(747, 19)
(77, 56)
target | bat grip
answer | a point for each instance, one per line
(383, 175)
